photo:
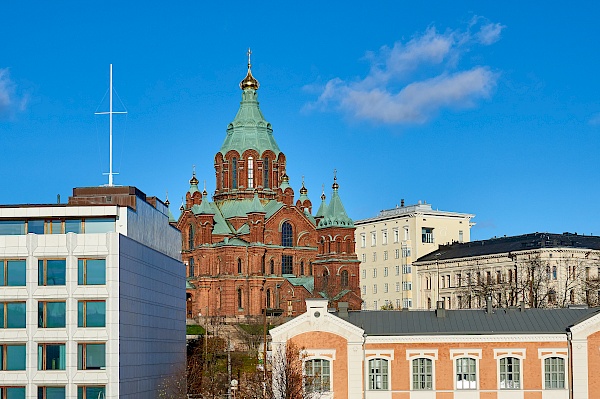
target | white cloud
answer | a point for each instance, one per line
(10, 103)
(391, 94)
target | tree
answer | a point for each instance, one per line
(289, 378)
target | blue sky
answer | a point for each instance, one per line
(469, 106)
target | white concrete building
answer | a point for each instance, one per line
(92, 295)
(387, 243)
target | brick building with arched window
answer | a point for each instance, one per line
(253, 248)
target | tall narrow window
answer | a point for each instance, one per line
(191, 237)
(234, 173)
(287, 239)
(510, 373)
(268, 299)
(344, 278)
(378, 374)
(466, 373)
(302, 268)
(554, 373)
(239, 298)
(272, 266)
(422, 373)
(287, 264)
(239, 266)
(262, 265)
(325, 278)
(250, 172)
(266, 172)
(192, 271)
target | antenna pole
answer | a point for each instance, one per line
(110, 117)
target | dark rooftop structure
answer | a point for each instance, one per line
(469, 322)
(512, 244)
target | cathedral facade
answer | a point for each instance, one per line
(254, 248)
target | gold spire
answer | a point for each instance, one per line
(193, 180)
(249, 81)
(303, 190)
(335, 185)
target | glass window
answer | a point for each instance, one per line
(396, 235)
(385, 271)
(364, 257)
(99, 226)
(266, 172)
(554, 373)
(250, 172)
(12, 392)
(73, 226)
(51, 356)
(287, 235)
(422, 374)
(510, 373)
(91, 314)
(317, 375)
(385, 255)
(54, 227)
(192, 271)
(12, 272)
(378, 374)
(234, 173)
(384, 237)
(344, 278)
(52, 271)
(287, 264)
(466, 373)
(363, 240)
(91, 271)
(191, 236)
(427, 235)
(91, 392)
(12, 227)
(51, 314)
(396, 253)
(385, 287)
(35, 226)
(51, 393)
(91, 356)
(13, 314)
(12, 357)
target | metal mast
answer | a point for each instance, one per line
(110, 118)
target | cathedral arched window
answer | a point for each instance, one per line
(287, 238)
(325, 278)
(268, 299)
(239, 298)
(302, 268)
(272, 266)
(191, 267)
(239, 266)
(310, 269)
(234, 173)
(191, 237)
(262, 265)
(266, 172)
(344, 278)
(250, 172)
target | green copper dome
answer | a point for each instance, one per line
(249, 129)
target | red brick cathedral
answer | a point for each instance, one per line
(255, 248)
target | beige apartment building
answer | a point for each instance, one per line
(538, 270)
(387, 244)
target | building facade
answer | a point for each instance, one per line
(445, 354)
(92, 297)
(387, 244)
(539, 269)
(255, 248)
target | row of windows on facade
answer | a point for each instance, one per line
(236, 165)
(387, 304)
(13, 272)
(287, 267)
(287, 235)
(426, 236)
(406, 269)
(406, 286)
(405, 254)
(54, 392)
(57, 226)
(422, 375)
(52, 314)
(52, 356)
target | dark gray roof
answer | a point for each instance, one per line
(512, 244)
(476, 322)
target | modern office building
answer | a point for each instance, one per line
(387, 244)
(539, 269)
(464, 354)
(92, 297)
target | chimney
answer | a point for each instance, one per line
(343, 310)
(402, 202)
(522, 306)
(440, 311)
(488, 305)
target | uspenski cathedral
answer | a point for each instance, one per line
(254, 248)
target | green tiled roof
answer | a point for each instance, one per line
(245, 229)
(249, 129)
(307, 282)
(334, 214)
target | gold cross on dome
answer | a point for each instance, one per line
(249, 52)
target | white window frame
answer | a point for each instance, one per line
(384, 237)
(385, 287)
(321, 354)
(511, 352)
(545, 353)
(373, 238)
(385, 271)
(431, 354)
(396, 235)
(379, 354)
(363, 240)
(468, 353)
